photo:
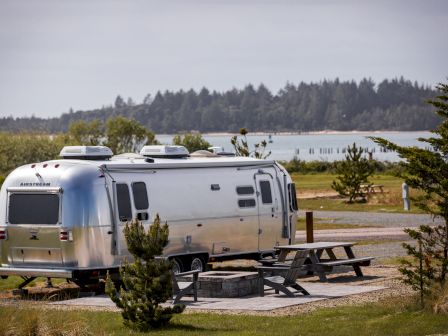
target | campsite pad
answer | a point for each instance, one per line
(318, 291)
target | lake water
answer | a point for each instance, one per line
(323, 147)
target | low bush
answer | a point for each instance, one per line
(35, 322)
(314, 167)
(438, 299)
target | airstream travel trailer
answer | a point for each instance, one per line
(65, 218)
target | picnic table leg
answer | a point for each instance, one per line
(351, 255)
(314, 260)
(282, 255)
(260, 283)
(319, 253)
(331, 253)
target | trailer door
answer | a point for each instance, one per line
(34, 226)
(267, 214)
(131, 203)
(123, 213)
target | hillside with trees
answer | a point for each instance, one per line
(396, 104)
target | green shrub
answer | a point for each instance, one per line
(147, 281)
(192, 142)
(352, 173)
(312, 167)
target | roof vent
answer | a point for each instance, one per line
(86, 152)
(203, 153)
(164, 151)
(129, 156)
(220, 151)
(216, 149)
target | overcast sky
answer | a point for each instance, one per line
(59, 54)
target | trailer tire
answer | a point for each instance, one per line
(177, 265)
(197, 264)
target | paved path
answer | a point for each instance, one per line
(318, 291)
(373, 218)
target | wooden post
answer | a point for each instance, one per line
(309, 227)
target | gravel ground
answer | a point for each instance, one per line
(380, 251)
(387, 276)
(373, 218)
(376, 274)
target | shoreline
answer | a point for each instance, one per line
(324, 132)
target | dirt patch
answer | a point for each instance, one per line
(317, 194)
(39, 292)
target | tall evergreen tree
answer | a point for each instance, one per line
(119, 102)
(396, 104)
(427, 170)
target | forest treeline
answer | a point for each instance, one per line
(396, 104)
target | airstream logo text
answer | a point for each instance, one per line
(35, 184)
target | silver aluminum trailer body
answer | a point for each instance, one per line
(65, 218)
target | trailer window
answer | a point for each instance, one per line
(124, 202)
(246, 203)
(245, 190)
(292, 197)
(266, 195)
(140, 195)
(33, 209)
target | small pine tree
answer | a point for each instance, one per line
(147, 281)
(420, 272)
(353, 171)
(241, 146)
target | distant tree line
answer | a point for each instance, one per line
(119, 134)
(396, 104)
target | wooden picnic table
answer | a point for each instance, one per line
(320, 265)
(372, 188)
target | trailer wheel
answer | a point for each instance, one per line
(177, 265)
(197, 264)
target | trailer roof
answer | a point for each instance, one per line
(137, 162)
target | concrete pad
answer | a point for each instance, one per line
(318, 291)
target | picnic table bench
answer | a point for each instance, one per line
(372, 188)
(315, 262)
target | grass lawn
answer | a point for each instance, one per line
(389, 201)
(393, 318)
(327, 204)
(323, 181)
(14, 281)
(397, 261)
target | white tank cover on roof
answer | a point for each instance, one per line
(164, 151)
(86, 152)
